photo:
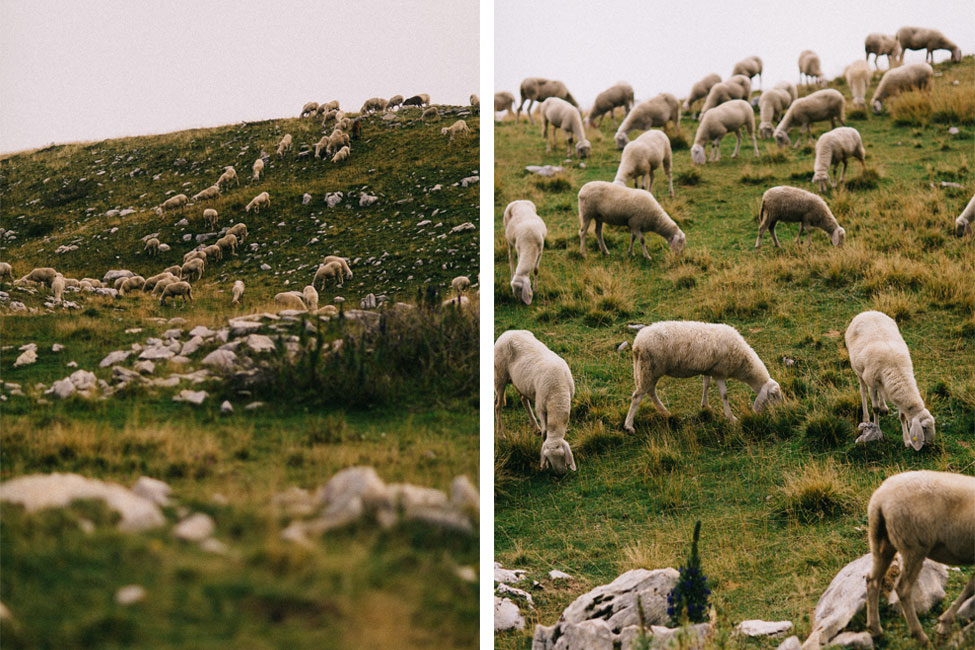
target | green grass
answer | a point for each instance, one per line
(782, 495)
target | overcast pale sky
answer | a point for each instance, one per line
(667, 46)
(93, 69)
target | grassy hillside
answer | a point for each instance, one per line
(782, 496)
(360, 586)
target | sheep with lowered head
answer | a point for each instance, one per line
(921, 514)
(178, 289)
(857, 76)
(826, 104)
(524, 232)
(455, 130)
(833, 148)
(541, 376)
(641, 156)
(810, 67)
(290, 300)
(42, 275)
(772, 104)
(373, 104)
(617, 205)
(342, 262)
(882, 363)
(193, 268)
(609, 100)
(229, 174)
(883, 45)
(718, 122)
(719, 93)
(258, 169)
(239, 230)
(6, 271)
(326, 271)
(310, 296)
(135, 283)
(749, 67)
(238, 291)
(654, 112)
(701, 89)
(210, 218)
(792, 204)
(228, 242)
(690, 348)
(504, 101)
(563, 115)
(538, 89)
(393, 102)
(262, 200)
(152, 246)
(173, 203)
(207, 194)
(920, 38)
(963, 224)
(744, 85)
(898, 80)
(284, 145)
(430, 113)
(151, 282)
(309, 109)
(342, 154)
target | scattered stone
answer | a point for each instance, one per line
(763, 628)
(144, 367)
(555, 574)
(861, 640)
(508, 576)
(506, 590)
(369, 302)
(214, 545)
(464, 182)
(622, 346)
(253, 406)
(134, 330)
(365, 200)
(220, 359)
(57, 347)
(195, 528)
(191, 346)
(27, 358)
(16, 305)
(954, 130)
(265, 267)
(130, 595)
(191, 396)
(507, 616)
(463, 495)
(226, 407)
(202, 331)
(111, 276)
(333, 199)
(157, 352)
(957, 186)
(152, 489)
(544, 170)
(792, 643)
(466, 573)
(259, 343)
(174, 333)
(464, 227)
(62, 389)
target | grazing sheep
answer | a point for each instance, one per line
(341, 261)
(57, 287)
(6, 271)
(921, 514)
(620, 95)
(331, 106)
(749, 67)
(810, 67)
(331, 270)
(431, 114)
(425, 98)
(539, 375)
(285, 145)
(173, 203)
(820, 105)
(883, 45)
(210, 218)
(152, 247)
(238, 291)
(857, 76)
(310, 297)
(504, 101)
(309, 109)
(963, 224)
(151, 282)
(373, 104)
(239, 230)
(524, 232)
(563, 115)
(654, 112)
(207, 194)
(393, 102)
(718, 122)
(342, 154)
(176, 270)
(882, 363)
(193, 268)
(460, 284)
(690, 348)
(701, 89)
(258, 169)
(415, 100)
(616, 205)
(291, 300)
(833, 148)
(919, 38)
(43, 275)
(160, 286)
(262, 200)
(320, 146)
(898, 80)
(228, 241)
(213, 253)
(176, 289)
(457, 129)
(475, 103)
(538, 89)
(744, 85)
(719, 93)
(771, 105)
(336, 141)
(135, 283)
(229, 174)
(640, 157)
(328, 117)
(792, 204)
(193, 254)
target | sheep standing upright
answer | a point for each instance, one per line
(902, 79)
(930, 40)
(538, 89)
(883, 45)
(963, 224)
(152, 246)
(920, 515)
(833, 148)
(524, 232)
(563, 115)
(700, 90)
(619, 95)
(173, 203)
(541, 376)
(857, 76)
(792, 204)
(640, 157)
(826, 104)
(882, 363)
(617, 205)
(810, 67)
(749, 67)
(210, 218)
(691, 348)
(654, 112)
(718, 122)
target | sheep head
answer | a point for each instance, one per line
(769, 394)
(583, 147)
(878, 108)
(956, 55)
(521, 287)
(697, 154)
(838, 236)
(782, 138)
(677, 242)
(820, 177)
(621, 140)
(765, 130)
(558, 455)
(920, 429)
(962, 227)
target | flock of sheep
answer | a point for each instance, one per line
(878, 354)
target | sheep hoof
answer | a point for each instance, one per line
(629, 429)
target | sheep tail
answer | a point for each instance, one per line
(877, 527)
(762, 212)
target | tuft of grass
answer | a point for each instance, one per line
(553, 185)
(689, 178)
(899, 305)
(678, 141)
(816, 492)
(868, 179)
(751, 177)
(943, 105)
(827, 432)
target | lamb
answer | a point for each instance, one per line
(285, 145)
(771, 105)
(342, 154)
(342, 261)
(173, 203)
(820, 105)
(654, 112)
(810, 67)
(151, 282)
(239, 230)
(792, 204)
(179, 289)
(524, 232)
(229, 174)
(963, 224)
(262, 200)
(135, 283)
(718, 122)
(833, 148)
(238, 291)
(393, 102)
(539, 375)
(701, 89)
(331, 270)
(43, 275)
(749, 67)
(57, 287)
(152, 246)
(258, 169)
(618, 206)
(857, 76)
(919, 38)
(690, 348)
(6, 271)
(210, 218)
(228, 241)
(563, 115)
(921, 514)
(898, 80)
(373, 104)
(309, 109)
(457, 129)
(310, 297)
(207, 194)
(882, 363)
(430, 114)
(883, 44)
(640, 157)
(609, 100)
(290, 300)
(538, 89)
(504, 101)
(192, 268)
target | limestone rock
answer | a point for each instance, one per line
(191, 396)
(195, 528)
(507, 616)
(27, 358)
(130, 594)
(114, 357)
(861, 640)
(220, 359)
(763, 628)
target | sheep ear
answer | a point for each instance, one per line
(569, 456)
(917, 434)
(526, 293)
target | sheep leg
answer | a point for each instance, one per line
(716, 150)
(883, 554)
(863, 398)
(945, 620)
(842, 174)
(500, 383)
(911, 567)
(707, 386)
(775, 239)
(643, 244)
(629, 251)
(879, 404)
(737, 142)
(802, 224)
(531, 414)
(599, 238)
(656, 400)
(511, 260)
(649, 182)
(634, 405)
(723, 389)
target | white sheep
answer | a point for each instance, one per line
(902, 79)
(792, 204)
(718, 122)
(331, 106)
(430, 114)
(309, 108)
(342, 154)
(749, 67)
(654, 112)
(320, 146)
(744, 85)
(210, 218)
(193, 268)
(341, 261)
(207, 194)
(504, 101)
(543, 377)
(331, 270)
(883, 45)
(193, 254)
(690, 348)
(524, 232)
(920, 514)
(475, 103)
(857, 76)
(619, 95)
(57, 287)
(310, 296)
(833, 148)
(720, 93)
(563, 115)
(616, 205)
(6, 271)
(457, 129)
(239, 230)
(238, 291)
(152, 247)
(43, 275)
(641, 156)
(772, 104)
(213, 252)
(826, 104)
(291, 300)
(882, 363)
(161, 285)
(336, 141)
(284, 145)
(919, 38)
(135, 283)
(258, 169)
(393, 102)
(151, 282)
(460, 284)
(810, 67)
(538, 89)
(173, 203)
(963, 224)
(701, 89)
(373, 104)
(228, 241)
(262, 200)
(229, 174)
(176, 289)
